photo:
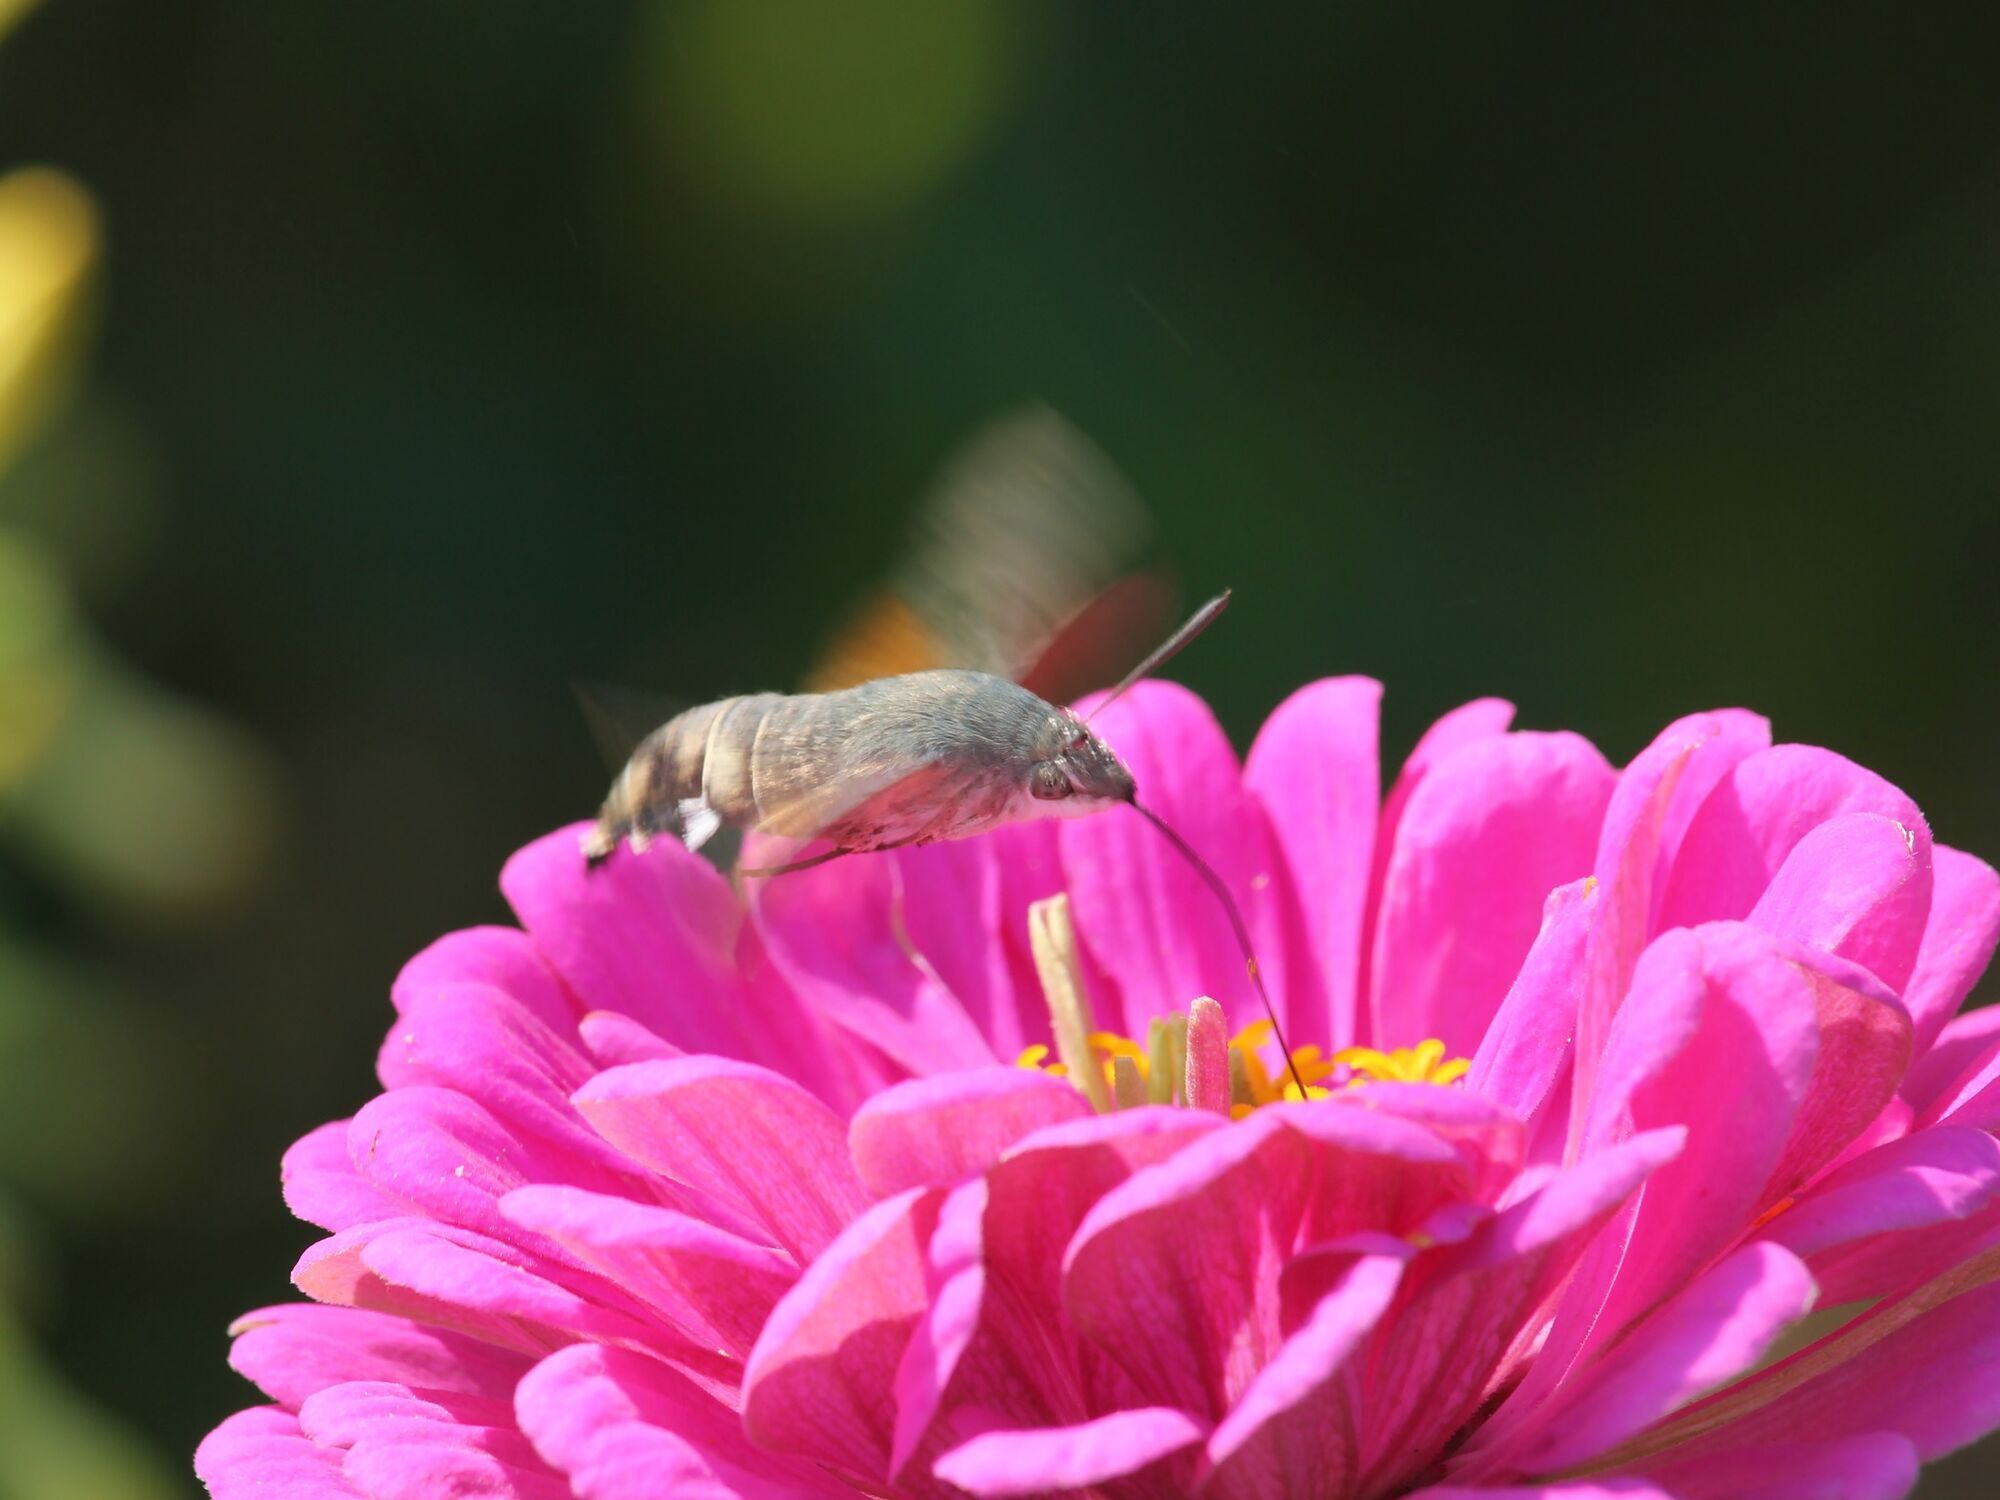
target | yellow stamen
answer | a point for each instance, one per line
(1052, 937)
(1116, 1072)
(1423, 1063)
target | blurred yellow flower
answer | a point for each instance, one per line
(48, 245)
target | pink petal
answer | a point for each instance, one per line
(479, 1042)
(842, 936)
(1294, 1430)
(1971, 1098)
(820, 1382)
(934, 1132)
(1860, 1229)
(1921, 1365)
(1769, 801)
(1719, 1034)
(1494, 827)
(997, 1250)
(614, 1040)
(1712, 1331)
(1488, 1140)
(1864, 1050)
(1957, 943)
(408, 1445)
(489, 1289)
(322, 1187)
(1575, 1489)
(1050, 1460)
(956, 898)
(1858, 885)
(293, 1350)
(1465, 1304)
(419, 1471)
(1174, 1274)
(714, 1287)
(1872, 1466)
(1655, 799)
(504, 958)
(436, 1152)
(624, 1427)
(1524, 1060)
(752, 1138)
(1483, 718)
(1155, 931)
(364, 1411)
(261, 1453)
(1959, 1049)
(1316, 771)
(655, 937)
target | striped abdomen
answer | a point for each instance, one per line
(936, 754)
(696, 765)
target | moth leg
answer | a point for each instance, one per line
(798, 864)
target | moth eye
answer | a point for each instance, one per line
(1049, 783)
(1080, 741)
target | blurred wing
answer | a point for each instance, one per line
(618, 717)
(857, 811)
(1027, 526)
(1103, 640)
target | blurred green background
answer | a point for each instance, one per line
(369, 372)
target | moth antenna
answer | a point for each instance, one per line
(1171, 647)
(1214, 882)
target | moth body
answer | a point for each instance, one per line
(910, 759)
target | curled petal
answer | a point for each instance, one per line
(1648, 816)
(1756, 815)
(293, 1350)
(1049, 1460)
(1957, 943)
(1525, 1058)
(322, 1187)
(261, 1452)
(1870, 1466)
(934, 1132)
(1713, 1330)
(502, 958)
(1859, 886)
(621, 1426)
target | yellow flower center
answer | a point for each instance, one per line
(1117, 1072)
(1156, 1073)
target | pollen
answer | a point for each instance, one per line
(1189, 1058)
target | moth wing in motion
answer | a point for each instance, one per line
(1019, 563)
(893, 814)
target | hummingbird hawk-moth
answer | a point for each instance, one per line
(1016, 547)
(910, 759)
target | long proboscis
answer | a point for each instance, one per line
(1168, 649)
(1213, 881)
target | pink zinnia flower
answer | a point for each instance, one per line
(667, 1196)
